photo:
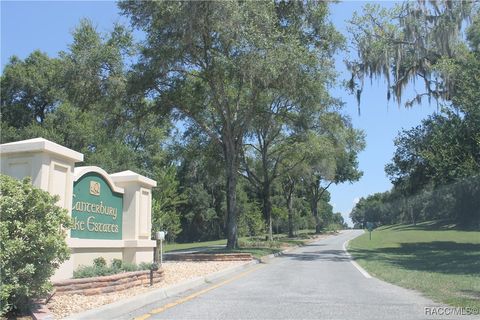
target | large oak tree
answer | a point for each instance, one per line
(210, 62)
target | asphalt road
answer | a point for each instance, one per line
(317, 281)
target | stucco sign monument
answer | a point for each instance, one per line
(111, 213)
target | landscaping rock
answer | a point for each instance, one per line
(173, 272)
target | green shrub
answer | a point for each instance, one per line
(126, 267)
(100, 262)
(33, 242)
(145, 266)
(117, 266)
(251, 221)
(333, 227)
(259, 244)
(116, 263)
(92, 271)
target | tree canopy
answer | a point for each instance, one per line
(408, 43)
(436, 166)
(221, 65)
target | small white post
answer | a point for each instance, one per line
(161, 252)
(160, 236)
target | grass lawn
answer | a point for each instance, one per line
(193, 245)
(432, 257)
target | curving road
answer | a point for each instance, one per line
(317, 281)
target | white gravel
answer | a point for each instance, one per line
(175, 272)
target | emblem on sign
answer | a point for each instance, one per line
(94, 188)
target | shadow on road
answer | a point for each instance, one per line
(323, 255)
(314, 245)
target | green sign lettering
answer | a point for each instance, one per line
(97, 210)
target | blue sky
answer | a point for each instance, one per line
(47, 26)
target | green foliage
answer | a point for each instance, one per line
(166, 202)
(251, 222)
(228, 59)
(441, 158)
(99, 262)
(406, 43)
(374, 208)
(91, 271)
(201, 221)
(165, 221)
(145, 266)
(332, 159)
(334, 222)
(94, 67)
(100, 268)
(33, 242)
(436, 166)
(29, 89)
(458, 201)
(203, 211)
(128, 267)
(302, 216)
(260, 244)
(271, 77)
(81, 100)
(440, 150)
(116, 263)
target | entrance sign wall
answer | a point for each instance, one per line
(111, 213)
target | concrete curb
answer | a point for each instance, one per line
(269, 257)
(41, 312)
(117, 309)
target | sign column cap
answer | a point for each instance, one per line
(40, 145)
(129, 176)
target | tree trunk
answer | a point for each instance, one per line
(267, 209)
(267, 203)
(290, 214)
(231, 167)
(288, 188)
(412, 214)
(318, 222)
(218, 199)
(409, 210)
(314, 207)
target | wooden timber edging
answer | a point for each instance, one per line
(208, 257)
(105, 284)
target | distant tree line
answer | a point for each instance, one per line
(435, 170)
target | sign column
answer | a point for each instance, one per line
(137, 210)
